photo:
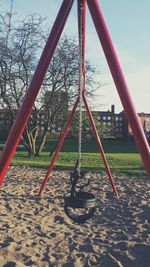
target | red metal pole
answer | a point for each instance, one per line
(25, 110)
(120, 83)
(100, 145)
(82, 3)
(61, 141)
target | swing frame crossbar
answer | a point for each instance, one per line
(119, 80)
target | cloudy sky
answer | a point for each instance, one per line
(129, 26)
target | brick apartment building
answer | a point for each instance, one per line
(116, 123)
(145, 121)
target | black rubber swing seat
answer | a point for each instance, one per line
(79, 200)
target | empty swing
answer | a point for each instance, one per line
(78, 200)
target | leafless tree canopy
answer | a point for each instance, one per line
(21, 43)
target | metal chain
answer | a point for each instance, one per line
(80, 97)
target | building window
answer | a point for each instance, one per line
(104, 117)
(109, 118)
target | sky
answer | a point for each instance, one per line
(128, 23)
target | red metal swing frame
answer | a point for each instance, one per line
(119, 80)
(81, 4)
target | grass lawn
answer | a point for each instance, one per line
(122, 157)
(123, 164)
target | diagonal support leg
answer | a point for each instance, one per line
(25, 110)
(82, 33)
(99, 145)
(120, 83)
(61, 141)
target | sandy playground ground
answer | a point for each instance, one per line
(34, 231)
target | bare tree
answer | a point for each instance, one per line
(20, 46)
(20, 43)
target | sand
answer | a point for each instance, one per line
(34, 231)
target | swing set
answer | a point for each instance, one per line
(77, 197)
